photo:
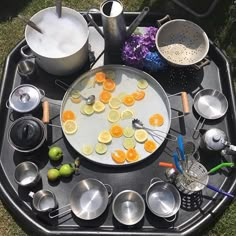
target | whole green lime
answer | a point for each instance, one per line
(55, 153)
(66, 170)
(53, 174)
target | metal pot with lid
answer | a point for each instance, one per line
(216, 140)
(25, 98)
(27, 134)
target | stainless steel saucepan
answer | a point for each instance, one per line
(88, 200)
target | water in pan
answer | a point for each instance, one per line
(61, 36)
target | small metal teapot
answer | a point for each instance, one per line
(216, 140)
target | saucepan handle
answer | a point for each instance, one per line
(24, 54)
(163, 20)
(53, 215)
(185, 103)
(109, 190)
(155, 180)
(205, 61)
(171, 218)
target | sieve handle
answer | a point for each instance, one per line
(163, 20)
(205, 61)
(46, 115)
(166, 164)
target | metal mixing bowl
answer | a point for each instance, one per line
(128, 207)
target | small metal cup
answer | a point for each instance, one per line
(27, 174)
(43, 201)
(26, 69)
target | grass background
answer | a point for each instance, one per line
(219, 26)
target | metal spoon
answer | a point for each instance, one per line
(30, 23)
(89, 100)
(137, 124)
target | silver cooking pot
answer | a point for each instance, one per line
(62, 64)
(88, 200)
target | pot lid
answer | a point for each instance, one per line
(215, 139)
(24, 98)
(26, 133)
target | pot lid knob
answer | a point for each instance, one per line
(26, 133)
(24, 98)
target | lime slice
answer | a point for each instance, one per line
(114, 103)
(142, 84)
(87, 149)
(140, 135)
(101, 148)
(110, 74)
(88, 109)
(98, 106)
(121, 96)
(70, 127)
(129, 143)
(113, 116)
(128, 132)
(127, 114)
(104, 137)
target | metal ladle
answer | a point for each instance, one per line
(137, 124)
(89, 100)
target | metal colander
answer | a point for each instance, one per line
(194, 178)
(182, 42)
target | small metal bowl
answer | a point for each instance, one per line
(128, 207)
(27, 174)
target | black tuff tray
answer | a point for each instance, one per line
(196, 211)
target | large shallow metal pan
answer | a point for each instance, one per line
(155, 101)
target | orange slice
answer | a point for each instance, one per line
(128, 100)
(116, 131)
(156, 120)
(68, 115)
(138, 95)
(105, 96)
(100, 77)
(109, 85)
(150, 146)
(118, 156)
(132, 155)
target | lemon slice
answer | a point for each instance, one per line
(113, 116)
(104, 137)
(101, 148)
(87, 149)
(142, 84)
(70, 127)
(88, 109)
(98, 106)
(82, 109)
(114, 103)
(121, 96)
(75, 93)
(110, 74)
(128, 132)
(129, 143)
(127, 114)
(140, 135)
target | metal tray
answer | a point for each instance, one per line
(196, 211)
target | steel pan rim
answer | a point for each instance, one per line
(197, 97)
(120, 67)
(194, 25)
(171, 188)
(74, 208)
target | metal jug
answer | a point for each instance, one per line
(114, 26)
(216, 140)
